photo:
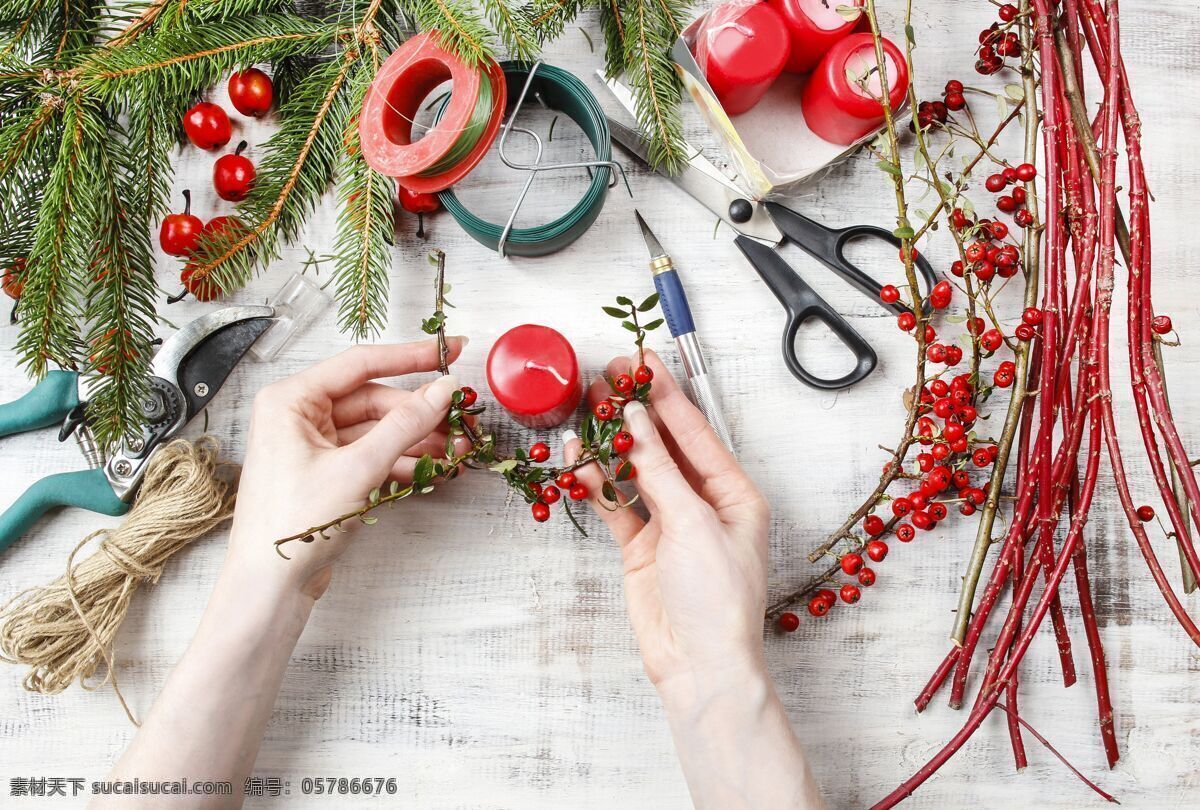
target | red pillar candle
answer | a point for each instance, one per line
(742, 48)
(813, 27)
(837, 108)
(533, 374)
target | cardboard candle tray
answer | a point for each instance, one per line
(771, 146)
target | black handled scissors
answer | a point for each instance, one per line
(762, 227)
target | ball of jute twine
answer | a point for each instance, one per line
(64, 630)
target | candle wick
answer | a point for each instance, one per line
(536, 366)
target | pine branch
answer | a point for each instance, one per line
(639, 35)
(365, 228)
(514, 26)
(461, 29)
(180, 61)
(120, 301)
(49, 307)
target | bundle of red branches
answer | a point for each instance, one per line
(1067, 428)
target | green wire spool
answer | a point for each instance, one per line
(469, 137)
(561, 90)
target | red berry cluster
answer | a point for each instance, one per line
(207, 126)
(544, 495)
(852, 565)
(998, 41)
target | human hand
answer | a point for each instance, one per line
(320, 441)
(696, 571)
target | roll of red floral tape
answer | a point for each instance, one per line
(534, 375)
(838, 109)
(440, 182)
(813, 27)
(741, 48)
(392, 102)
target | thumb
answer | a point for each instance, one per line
(404, 426)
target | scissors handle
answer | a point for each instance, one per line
(828, 246)
(47, 403)
(801, 303)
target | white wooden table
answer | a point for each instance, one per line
(485, 662)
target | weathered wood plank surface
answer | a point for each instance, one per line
(486, 663)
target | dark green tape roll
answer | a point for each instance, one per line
(562, 91)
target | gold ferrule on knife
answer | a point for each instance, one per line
(661, 264)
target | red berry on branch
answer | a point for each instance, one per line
(888, 294)
(565, 480)
(850, 594)
(551, 494)
(622, 443)
(930, 334)
(938, 511)
(921, 520)
(940, 477)
(604, 410)
(1008, 12)
(906, 321)
(1023, 218)
(901, 507)
(976, 251)
(827, 596)
(925, 462)
(873, 525)
(1032, 316)
(940, 451)
(939, 388)
(967, 414)
(1006, 204)
(954, 355)
(955, 101)
(943, 408)
(578, 492)
(966, 508)
(877, 550)
(539, 452)
(1145, 513)
(419, 203)
(999, 230)
(866, 577)
(789, 622)
(984, 271)
(936, 353)
(953, 431)
(1161, 324)
(995, 182)
(251, 92)
(981, 458)
(207, 126)
(851, 563)
(233, 175)
(1024, 332)
(905, 533)
(1019, 194)
(536, 489)
(643, 375)
(541, 512)
(954, 86)
(1026, 172)
(178, 233)
(14, 279)
(960, 479)
(623, 383)
(818, 606)
(469, 396)
(957, 269)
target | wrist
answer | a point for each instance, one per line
(716, 694)
(244, 602)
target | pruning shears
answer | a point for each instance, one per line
(186, 373)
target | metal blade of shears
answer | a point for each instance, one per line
(700, 178)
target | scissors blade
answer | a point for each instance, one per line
(714, 192)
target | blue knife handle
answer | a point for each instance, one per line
(47, 403)
(88, 489)
(674, 303)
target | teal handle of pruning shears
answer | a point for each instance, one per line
(47, 404)
(87, 489)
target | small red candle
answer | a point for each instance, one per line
(838, 109)
(533, 373)
(813, 27)
(742, 49)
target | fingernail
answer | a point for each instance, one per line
(637, 419)
(439, 391)
(569, 436)
(464, 339)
